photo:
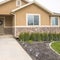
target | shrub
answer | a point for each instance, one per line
(39, 37)
(30, 41)
(24, 36)
(50, 37)
(54, 37)
(21, 36)
(35, 37)
(58, 36)
(45, 37)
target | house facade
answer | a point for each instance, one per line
(18, 16)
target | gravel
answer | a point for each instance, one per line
(40, 51)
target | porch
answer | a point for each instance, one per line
(6, 24)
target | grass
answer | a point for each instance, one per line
(56, 46)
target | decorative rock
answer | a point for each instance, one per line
(37, 54)
(25, 45)
(31, 50)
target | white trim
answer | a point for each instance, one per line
(5, 1)
(33, 25)
(15, 25)
(58, 21)
(36, 26)
(54, 25)
(21, 7)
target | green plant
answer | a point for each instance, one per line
(30, 41)
(24, 36)
(21, 37)
(54, 37)
(39, 36)
(32, 36)
(45, 37)
(35, 37)
(50, 37)
(58, 36)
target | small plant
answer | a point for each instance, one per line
(45, 37)
(24, 36)
(32, 36)
(21, 37)
(30, 41)
(50, 37)
(58, 37)
(35, 36)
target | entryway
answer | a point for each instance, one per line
(6, 24)
(1, 25)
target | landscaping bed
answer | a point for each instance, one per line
(37, 45)
(39, 50)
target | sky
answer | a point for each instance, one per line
(52, 5)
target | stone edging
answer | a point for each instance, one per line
(52, 48)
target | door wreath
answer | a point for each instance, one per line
(1, 22)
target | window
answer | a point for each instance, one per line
(33, 19)
(54, 21)
(18, 3)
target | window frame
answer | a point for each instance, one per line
(51, 21)
(33, 22)
(17, 3)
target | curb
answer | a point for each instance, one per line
(53, 49)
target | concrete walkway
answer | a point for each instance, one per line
(11, 50)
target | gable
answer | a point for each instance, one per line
(31, 9)
(29, 5)
(24, 2)
(7, 7)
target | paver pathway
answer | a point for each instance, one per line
(11, 50)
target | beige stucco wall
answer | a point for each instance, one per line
(23, 2)
(8, 20)
(21, 15)
(9, 6)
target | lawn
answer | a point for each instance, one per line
(56, 46)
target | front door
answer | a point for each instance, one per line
(1, 25)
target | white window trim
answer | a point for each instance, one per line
(33, 25)
(17, 3)
(54, 25)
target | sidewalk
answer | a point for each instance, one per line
(11, 50)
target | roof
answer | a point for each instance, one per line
(30, 4)
(5, 1)
(56, 14)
